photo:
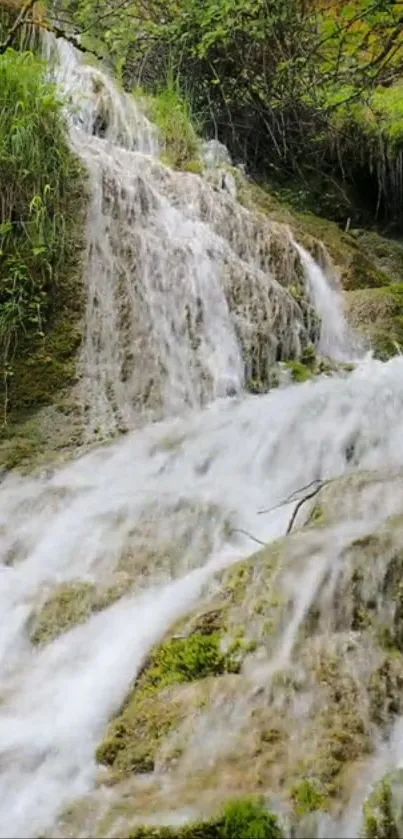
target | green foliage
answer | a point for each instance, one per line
(308, 796)
(171, 112)
(379, 822)
(299, 371)
(249, 819)
(40, 182)
(186, 659)
(243, 818)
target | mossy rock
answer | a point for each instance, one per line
(378, 314)
(360, 266)
(385, 254)
(308, 796)
(383, 810)
(151, 711)
(69, 605)
(133, 739)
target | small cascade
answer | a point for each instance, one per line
(336, 339)
(190, 295)
(164, 502)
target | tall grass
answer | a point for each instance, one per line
(39, 179)
(170, 109)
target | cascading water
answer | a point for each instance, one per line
(183, 285)
(188, 292)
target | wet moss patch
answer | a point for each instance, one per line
(69, 605)
(151, 711)
(378, 314)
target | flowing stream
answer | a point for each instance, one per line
(182, 286)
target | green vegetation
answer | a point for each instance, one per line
(70, 604)
(186, 659)
(241, 819)
(171, 112)
(379, 821)
(292, 88)
(378, 313)
(299, 371)
(40, 217)
(248, 819)
(308, 796)
(150, 712)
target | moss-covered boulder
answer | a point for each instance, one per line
(155, 706)
(378, 314)
(231, 704)
(359, 265)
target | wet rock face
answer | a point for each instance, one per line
(214, 153)
(233, 701)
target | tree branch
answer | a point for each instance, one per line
(19, 21)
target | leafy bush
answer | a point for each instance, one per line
(249, 819)
(171, 112)
(286, 85)
(243, 818)
(40, 184)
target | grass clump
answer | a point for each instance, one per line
(379, 821)
(245, 818)
(172, 113)
(299, 372)
(40, 219)
(249, 819)
(308, 796)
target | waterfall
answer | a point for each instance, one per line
(188, 293)
(336, 339)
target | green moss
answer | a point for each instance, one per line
(385, 689)
(308, 357)
(249, 819)
(241, 819)
(70, 604)
(308, 796)
(385, 254)
(317, 516)
(379, 822)
(299, 371)
(194, 166)
(134, 736)
(187, 659)
(133, 739)
(378, 313)
(340, 726)
(360, 265)
(171, 112)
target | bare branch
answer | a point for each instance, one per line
(19, 21)
(302, 501)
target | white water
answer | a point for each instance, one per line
(336, 340)
(163, 249)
